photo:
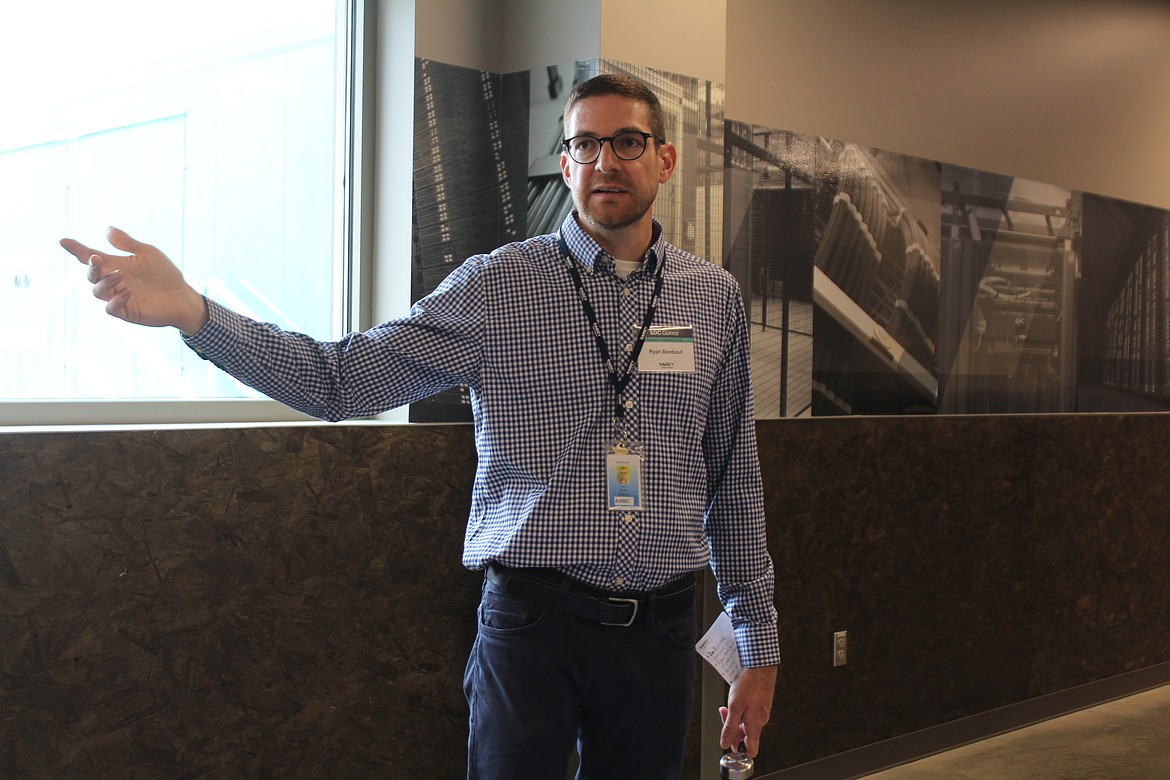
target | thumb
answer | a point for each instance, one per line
(120, 239)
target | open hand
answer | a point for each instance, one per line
(144, 287)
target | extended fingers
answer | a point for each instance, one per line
(101, 264)
(77, 249)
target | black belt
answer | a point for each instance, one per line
(548, 588)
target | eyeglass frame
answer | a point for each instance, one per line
(601, 143)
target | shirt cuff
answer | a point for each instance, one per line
(216, 335)
(758, 645)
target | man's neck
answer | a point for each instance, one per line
(628, 243)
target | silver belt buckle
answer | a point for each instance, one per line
(633, 615)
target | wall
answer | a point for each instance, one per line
(976, 562)
(679, 36)
(289, 601)
(1075, 94)
(235, 603)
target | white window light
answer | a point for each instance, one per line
(224, 136)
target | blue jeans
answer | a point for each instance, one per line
(539, 681)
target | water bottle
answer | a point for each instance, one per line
(735, 765)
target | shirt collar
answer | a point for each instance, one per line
(590, 254)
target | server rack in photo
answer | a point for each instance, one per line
(470, 176)
(1010, 274)
(876, 283)
(770, 196)
(1124, 308)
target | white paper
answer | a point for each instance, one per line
(718, 648)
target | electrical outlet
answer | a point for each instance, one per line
(840, 648)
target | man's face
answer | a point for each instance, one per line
(610, 193)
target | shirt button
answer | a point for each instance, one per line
(627, 292)
(629, 518)
(628, 404)
(619, 581)
(629, 347)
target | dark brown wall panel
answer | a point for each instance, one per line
(244, 603)
(976, 562)
(248, 602)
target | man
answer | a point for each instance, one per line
(596, 351)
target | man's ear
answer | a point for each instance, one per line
(565, 169)
(667, 160)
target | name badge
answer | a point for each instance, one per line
(668, 348)
(624, 481)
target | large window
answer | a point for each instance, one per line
(211, 132)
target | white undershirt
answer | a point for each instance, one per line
(625, 267)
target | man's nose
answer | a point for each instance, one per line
(607, 158)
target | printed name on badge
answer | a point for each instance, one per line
(668, 348)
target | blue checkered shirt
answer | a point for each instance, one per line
(510, 327)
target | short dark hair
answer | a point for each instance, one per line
(612, 84)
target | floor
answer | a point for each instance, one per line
(1126, 739)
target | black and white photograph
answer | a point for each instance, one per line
(876, 283)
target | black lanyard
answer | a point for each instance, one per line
(617, 379)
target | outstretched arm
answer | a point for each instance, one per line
(144, 287)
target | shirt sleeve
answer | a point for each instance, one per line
(735, 521)
(435, 347)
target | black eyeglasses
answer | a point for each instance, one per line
(629, 145)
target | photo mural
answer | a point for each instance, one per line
(876, 282)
